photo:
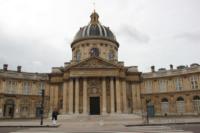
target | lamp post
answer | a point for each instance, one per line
(147, 117)
(42, 108)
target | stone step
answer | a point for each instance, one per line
(100, 117)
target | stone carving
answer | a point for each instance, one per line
(95, 63)
(94, 86)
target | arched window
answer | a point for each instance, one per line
(180, 105)
(164, 100)
(164, 106)
(78, 55)
(180, 99)
(94, 52)
(196, 104)
(111, 55)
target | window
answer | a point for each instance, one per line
(148, 86)
(194, 82)
(78, 55)
(164, 106)
(41, 87)
(27, 88)
(178, 83)
(94, 52)
(196, 104)
(111, 55)
(11, 86)
(162, 85)
(180, 104)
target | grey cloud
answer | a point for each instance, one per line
(133, 34)
(189, 36)
(32, 54)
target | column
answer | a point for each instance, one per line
(1, 107)
(112, 104)
(124, 97)
(134, 98)
(104, 109)
(77, 96)
(56, 97)
(84, 96)
(118, 95)
(71, 96)
(65, 87)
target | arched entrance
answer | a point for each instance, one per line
(180, 105)
(9, 108)
(196, 104)
(165, 106)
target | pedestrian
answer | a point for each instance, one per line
(54, 116)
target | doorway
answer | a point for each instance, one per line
(9, 108)
(94, 105)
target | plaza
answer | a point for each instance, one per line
(100, 125)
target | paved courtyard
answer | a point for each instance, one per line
(101, 129)
(94, 125)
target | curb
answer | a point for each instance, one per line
(31, 126)
(161, 124)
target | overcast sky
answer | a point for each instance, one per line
(36, 34)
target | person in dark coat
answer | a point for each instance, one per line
(54, 116)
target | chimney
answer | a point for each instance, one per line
(5, 67)
(171, 67)
(152, 68)
(19, 69)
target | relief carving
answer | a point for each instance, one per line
(94, 86)
(95, 63)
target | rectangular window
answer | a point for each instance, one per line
(11, 86)
(178, 83)
(41, 87)
(148, 86)
(162, 85)
(27, 88)
(194, 82)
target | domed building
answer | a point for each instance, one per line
(95, 82)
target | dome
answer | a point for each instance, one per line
(94, 30)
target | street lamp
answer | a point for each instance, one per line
(147, 117)
(42, 108)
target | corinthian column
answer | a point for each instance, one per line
(124, 97)
(104, 109)
(65, 97)
(112, 95)
(85, 96)
(118, 95)
(71, 91)
(77, 96)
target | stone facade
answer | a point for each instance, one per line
(20, 94)
(172, 92)
(94, 82)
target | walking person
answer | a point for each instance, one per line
(54, 116)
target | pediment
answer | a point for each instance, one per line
(95, 63)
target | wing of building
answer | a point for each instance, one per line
(94, 82)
